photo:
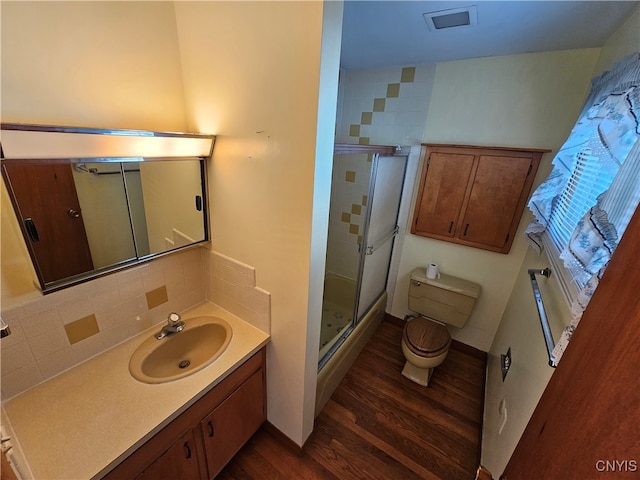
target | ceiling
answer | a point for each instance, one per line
(391, 33)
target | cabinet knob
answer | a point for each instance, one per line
(187, 450)
(466, 229)
(211, 429)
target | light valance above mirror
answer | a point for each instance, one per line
(92, 201)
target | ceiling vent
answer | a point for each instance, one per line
(456, 17)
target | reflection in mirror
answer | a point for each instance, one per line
(173, 217)
(103, 207)
(83, 217)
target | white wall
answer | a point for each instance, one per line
(90, 64)
(520, 327)
(252, 76)
(522, 101)
(622, 43)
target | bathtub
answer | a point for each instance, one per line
(340, 292)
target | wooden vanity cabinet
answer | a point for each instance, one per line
(472, 195)
(202, 440)
(231, 424)
(180, 461)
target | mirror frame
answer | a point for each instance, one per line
(75, 145)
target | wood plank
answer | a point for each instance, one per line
(380, 425)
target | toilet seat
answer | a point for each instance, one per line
(426, 338)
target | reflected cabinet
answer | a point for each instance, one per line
(474, 195)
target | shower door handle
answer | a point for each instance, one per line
(381, 241)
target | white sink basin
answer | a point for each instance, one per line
(181, 354)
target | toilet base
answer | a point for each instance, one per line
(421, 376)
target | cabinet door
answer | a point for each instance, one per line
(179, 462)
(495, 196)
(442, 193)
(232, 423)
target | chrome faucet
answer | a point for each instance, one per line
(174, 325)
(5, 331)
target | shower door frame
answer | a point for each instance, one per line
(390, 236)
(376, 151)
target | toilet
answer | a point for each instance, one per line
(446, 300)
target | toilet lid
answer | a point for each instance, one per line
(425, 337)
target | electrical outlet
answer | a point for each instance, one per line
(505, 363)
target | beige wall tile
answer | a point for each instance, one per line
(49, 342)
(157, 297)
(20, 380)
(56, 363)
(393, 90)
(82, 328)
(408, 74)
(16, 356)
(378, 105)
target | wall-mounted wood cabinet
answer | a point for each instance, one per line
(474, 195)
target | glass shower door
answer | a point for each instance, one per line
(385, 192)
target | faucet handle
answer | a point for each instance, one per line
(173, 318)
(5, 331)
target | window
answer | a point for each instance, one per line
(583, 207)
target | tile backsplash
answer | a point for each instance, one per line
(57, 331)
(232, 286)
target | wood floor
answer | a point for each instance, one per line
(379, 425)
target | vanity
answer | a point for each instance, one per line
(96, 421)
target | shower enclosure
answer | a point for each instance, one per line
(365, 199)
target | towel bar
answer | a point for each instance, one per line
(546, 330)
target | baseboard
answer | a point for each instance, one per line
(469, 350)
(289, 444)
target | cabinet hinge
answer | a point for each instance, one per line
(428, 160)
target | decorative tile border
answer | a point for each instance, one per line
(407, 75)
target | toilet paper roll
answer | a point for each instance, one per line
(432, 271)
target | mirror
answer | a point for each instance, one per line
(83, 217)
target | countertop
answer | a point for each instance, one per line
(82, 423)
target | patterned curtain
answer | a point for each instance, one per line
(585, 204)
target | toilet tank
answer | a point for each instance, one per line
(446, 299)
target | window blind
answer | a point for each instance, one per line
(588, 180)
